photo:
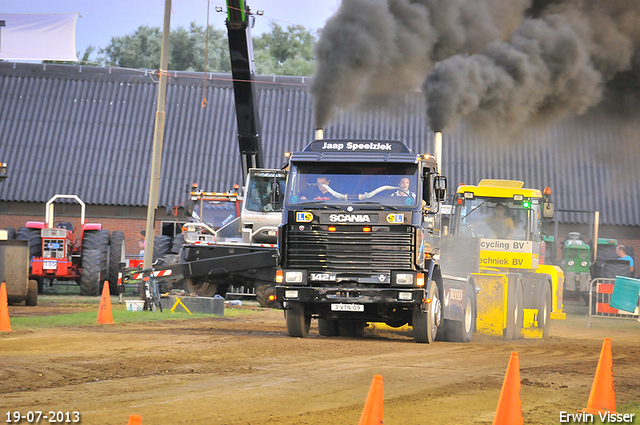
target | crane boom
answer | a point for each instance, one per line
(242, 71)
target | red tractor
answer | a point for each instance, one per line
(59, 252)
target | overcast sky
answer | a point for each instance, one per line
(100, 20)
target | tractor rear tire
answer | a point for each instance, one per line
(11, 233)
(177, 243)
(32, 293)
(328, 327)
(35, 241)
(263, 291)
(425, 324)
(515, 312)
(161, 246)
(98, 240)
(298, 320)
(116, 256)
(91, 273)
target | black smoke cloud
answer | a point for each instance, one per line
(500, 63)
(554, 65)
(371, 49)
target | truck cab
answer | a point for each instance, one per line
(360, 238)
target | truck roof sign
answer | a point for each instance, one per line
(381, 146)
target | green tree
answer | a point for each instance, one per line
(285, 52)
(186, 49)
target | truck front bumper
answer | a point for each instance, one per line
(342, 295)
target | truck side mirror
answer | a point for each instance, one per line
(440, 188)
(547, 210)
(188, 209)
(275, 195)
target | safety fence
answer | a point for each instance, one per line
(600, 293)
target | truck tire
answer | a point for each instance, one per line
(462, 330)
(32, 293)
(351, 328)
(263, 291)
(298, 321)
(91, 274)
(425, 324)
(328, 327)
(116, 255)
(35, 241)
(544, 309)
(515, 313)
(161, 246)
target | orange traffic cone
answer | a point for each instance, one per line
(372, 413)
(509, 411)
(104, 314)
(135, 420)
(5, 323)
(602, 397)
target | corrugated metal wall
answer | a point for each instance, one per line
(89, 131)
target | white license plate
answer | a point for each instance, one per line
(50, 265)
(347, 307)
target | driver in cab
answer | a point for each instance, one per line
(501, 223)
(318, 190)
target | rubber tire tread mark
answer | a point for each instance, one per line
(351, 328)
(328, 327)
(35, 241)
(545, 319)
(32, 293)
(90, 275)
(263, 291)
(298, 322)
(422, 323)
(116, 250)
(457, 331)
(161, 246)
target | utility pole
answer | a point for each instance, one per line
(158, 135)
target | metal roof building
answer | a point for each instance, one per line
(89, 131)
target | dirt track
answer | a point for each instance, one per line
(246, 370)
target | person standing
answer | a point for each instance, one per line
(622, 254)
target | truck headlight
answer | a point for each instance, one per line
(404, 279)
(570, 263)
(584, 263)
(293, 277)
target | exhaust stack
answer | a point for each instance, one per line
(319, 134)
(438, 149)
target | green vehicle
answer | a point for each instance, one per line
(576, 262)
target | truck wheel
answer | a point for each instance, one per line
(298, 321)
(328, 327)
(263, 291)
(200, 286)
(32, 293)
(462, 330)
(90, 274)
(351, 328)
(515, 313)
(425, 324)
(35, 241)
(177, 243)
(544, 309)
(116, 256)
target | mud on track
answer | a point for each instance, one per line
(246, 370)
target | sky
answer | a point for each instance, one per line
(100, 20)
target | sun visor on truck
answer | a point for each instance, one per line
(368, 150)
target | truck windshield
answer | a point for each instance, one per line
(351, 183)
(497, 218)
(258, 195)
(215, 213)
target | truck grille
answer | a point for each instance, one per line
(349, 249)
